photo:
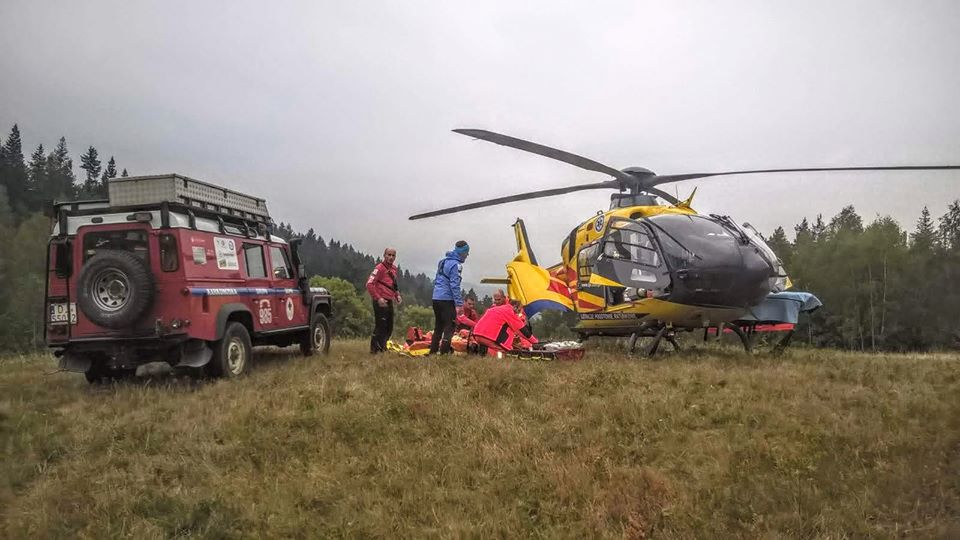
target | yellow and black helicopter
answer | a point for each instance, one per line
(643, 269)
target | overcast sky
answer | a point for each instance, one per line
(339, 113)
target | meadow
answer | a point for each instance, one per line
(715, 443)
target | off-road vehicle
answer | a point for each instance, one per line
(172, 271)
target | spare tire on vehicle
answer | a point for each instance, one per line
(115, 289)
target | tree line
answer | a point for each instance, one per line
(883, 287)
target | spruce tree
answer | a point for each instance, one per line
(781, 246)
(37, 178)
(925, 237)
(110, 172)
(60, 178)
(91, 164)
(124, 174)
(13, 172)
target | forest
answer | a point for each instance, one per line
(885, 286)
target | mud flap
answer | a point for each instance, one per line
(196, 353)
(76, 363)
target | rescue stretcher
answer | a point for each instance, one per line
(417, 344)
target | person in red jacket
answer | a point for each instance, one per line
(384, 290)
(499, 325)
(469, 317)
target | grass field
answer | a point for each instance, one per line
(813, 444)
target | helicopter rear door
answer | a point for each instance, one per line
(629, 263)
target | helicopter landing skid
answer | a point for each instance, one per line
(658, 335)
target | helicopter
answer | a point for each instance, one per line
(643, 269)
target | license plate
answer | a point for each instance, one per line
(63, 313)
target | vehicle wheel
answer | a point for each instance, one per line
(317, 339)
(94, 375)
(231, 355)
(115, 289)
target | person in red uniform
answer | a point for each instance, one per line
(469, 317)
(499, 325)
(384, 290)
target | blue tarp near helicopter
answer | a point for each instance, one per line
(783, 307)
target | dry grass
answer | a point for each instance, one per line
(815, 444)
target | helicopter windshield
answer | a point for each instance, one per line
(687, 238)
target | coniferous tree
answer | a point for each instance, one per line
(924, 238)
(109, 172)
(37, 178)
(781, 246)
(90, 163)
(124, 173)
(60, 179)
(13, 172)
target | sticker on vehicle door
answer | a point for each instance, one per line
(199, 255)
(226, 250)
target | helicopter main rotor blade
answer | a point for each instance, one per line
(663, 179)
(663, 195)
(546, 151)
(609, 184)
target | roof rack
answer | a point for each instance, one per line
(174, 188)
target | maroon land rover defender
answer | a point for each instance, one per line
(171, 271)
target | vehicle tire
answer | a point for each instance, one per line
(232, 354)
(94, 375)
(115, 289)
(317, 339)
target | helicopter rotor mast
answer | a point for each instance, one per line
(637, 180)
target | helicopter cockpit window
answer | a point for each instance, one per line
(631, 242)
(586, 259)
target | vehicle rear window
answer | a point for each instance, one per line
(281, 266)
(132, 241)
(253, 257)
(169, 256)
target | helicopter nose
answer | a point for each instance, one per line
(719, 283)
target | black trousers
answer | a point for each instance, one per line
(445, 313)
(382, 326)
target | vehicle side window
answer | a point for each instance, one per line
(132, 241)
(169, 256)
(253, 257)
(586, 259)
(281, 266)
(633, 243)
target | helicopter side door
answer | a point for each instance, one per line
(631, 262)
(589, 296)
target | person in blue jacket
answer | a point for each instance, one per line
(447, 298)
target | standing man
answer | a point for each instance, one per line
(447, 300)
(499, 298)
(384, 290)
